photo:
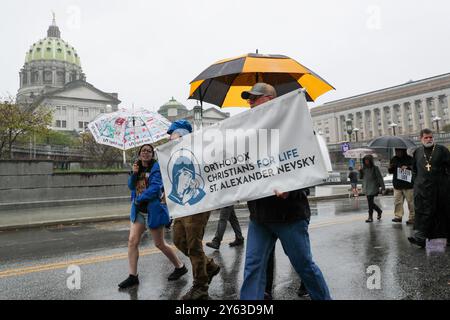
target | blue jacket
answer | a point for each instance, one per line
(152, 194)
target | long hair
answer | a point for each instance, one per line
(152, 160)
(371, 163)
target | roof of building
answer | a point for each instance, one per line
(172, 103)
(53, 48)
(72, 85)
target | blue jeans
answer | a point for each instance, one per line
(294, 238)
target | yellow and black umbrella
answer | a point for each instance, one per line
(223, 82)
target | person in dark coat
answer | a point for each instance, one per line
(403, 189)
(372, 183)
(283, 216)
(353, 176)
(431, 174)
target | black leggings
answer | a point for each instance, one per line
(372, 205)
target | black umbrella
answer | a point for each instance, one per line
(392, 142)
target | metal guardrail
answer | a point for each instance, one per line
(48, 150)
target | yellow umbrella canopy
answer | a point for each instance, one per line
(223, 82)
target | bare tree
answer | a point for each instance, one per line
(106, 155)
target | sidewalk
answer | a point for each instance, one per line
(85, 213)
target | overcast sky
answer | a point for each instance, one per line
(149, 51)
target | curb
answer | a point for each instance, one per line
(63, 222)
(66, 222)
(61, 203)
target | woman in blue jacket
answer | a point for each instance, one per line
(148, 210)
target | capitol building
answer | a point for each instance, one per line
(52, 77)
(404, 109)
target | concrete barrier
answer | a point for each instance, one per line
(34, 182)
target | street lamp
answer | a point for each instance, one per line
(349, 125)
(437, 119)
(393, 126)
(356, 133)
(198, 116)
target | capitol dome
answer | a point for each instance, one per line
(173, 109)
(49, 49)
(50, 63)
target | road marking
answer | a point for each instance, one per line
(145, 252)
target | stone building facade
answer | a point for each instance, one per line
(405, 109)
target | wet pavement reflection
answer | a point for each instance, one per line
(353, 256)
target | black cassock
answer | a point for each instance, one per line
(431, 192)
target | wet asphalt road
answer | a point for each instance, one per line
(34, 263)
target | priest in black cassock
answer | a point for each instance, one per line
(431, 175)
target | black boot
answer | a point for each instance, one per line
(129, 282)
(418, 242)
(379, 214)
(370, 219)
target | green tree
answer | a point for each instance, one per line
(16, 122)
(53, 137)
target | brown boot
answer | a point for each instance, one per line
(212, 269)
(196, 293)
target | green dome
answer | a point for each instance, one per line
(52, 48)
(172, 103)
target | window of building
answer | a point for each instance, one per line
(47, 77)
(102, 110)
(34, 77)
(172, 112)
(64, 124)
(58, 123)
(82, 125)
(60, 77)
(83, 112)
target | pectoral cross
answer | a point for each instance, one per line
(428, 166)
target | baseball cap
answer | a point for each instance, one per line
(259, 89)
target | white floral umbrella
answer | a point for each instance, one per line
(359, 153)
(124, 129)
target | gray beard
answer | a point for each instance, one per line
(428, 145)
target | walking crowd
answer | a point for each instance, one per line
(422, 180)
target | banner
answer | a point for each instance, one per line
(246, 157)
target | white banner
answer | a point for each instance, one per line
(246, 157)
